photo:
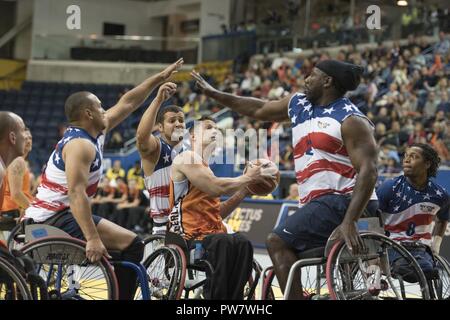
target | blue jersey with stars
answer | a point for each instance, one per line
(52, 196)
(409, 213)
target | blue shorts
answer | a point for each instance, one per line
(65, 221)
(311, 225)
(422, 256)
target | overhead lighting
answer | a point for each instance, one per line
(402, 3)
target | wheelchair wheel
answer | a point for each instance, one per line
(163, 273)
(371, 275)
(14, 241)
(12, 285)
(62, 263)
(178, 291)
(252, 283)
(313, 284)
(271, 289)
(441, 285)
(151, 243)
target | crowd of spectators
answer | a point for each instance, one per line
(404, 91)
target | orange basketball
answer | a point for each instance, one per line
(273, 176)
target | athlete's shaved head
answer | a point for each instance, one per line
(12, 136)
(8, 122)
(76, 103)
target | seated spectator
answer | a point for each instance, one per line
(418, 60)
(437, 140)
(442, 47)
(115, 171)
(431, 105)
(419, 134)
(287, 158)
(250, 82)
(120, 196)
(136, 173)
(392, 167)
(116, 141)
(293, 193)
(103, 204)
(444, 104)
(131, 210)
(395, 137)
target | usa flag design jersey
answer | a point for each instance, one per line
(409, 213)
(52, 193)
(158, 184)
(322, 164)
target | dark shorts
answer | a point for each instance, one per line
(311, 225)
(422, 255)
(65, 221)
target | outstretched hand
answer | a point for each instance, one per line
(172, 69)
(166, 90)
(201, 83)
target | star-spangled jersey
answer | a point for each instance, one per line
(52, 196)
(158, 184)
(409, 213)
(322, 164)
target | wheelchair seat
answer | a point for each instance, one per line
(116, 255)
(311, 253)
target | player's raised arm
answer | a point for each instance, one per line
(248, 106)
(130, 101)
(147, 143)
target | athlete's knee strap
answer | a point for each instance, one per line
(135, 251)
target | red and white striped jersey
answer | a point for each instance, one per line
(158, 184)
(52, 196)
(322, 164)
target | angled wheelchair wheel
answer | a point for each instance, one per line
(163, 274)
(151, 243)
(62, 263)
(12, 284)
(383, 271)
(271, 289)
(440, 286)
(252, 283)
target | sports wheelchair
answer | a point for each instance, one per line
(332, 272)
(61, 261)
(18, 280)
(173, 275)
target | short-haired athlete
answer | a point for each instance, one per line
(197, 211)
(74, 170)
(17, 189)
(335, 157)
(12, 143)
(157, 153)
(412, 203)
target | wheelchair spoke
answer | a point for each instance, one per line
(78, 279)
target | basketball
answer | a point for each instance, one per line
(273, 176)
